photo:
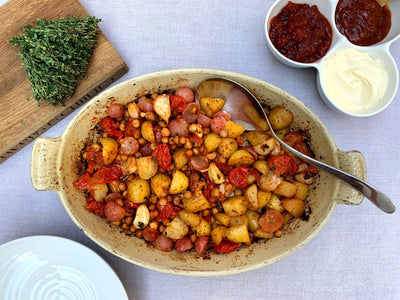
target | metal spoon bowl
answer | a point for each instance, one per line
(247, 111)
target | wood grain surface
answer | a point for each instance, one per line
(21, 120)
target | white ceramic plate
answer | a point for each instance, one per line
(49, 267)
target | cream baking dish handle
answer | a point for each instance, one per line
(44, 174)
(352, 162)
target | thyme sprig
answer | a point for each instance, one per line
(55, 54)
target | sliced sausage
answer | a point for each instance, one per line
(199, 163)
(201, 245)
(190, 112)
(194, 181)
(129, 146)
(183, 244)
(186, 93)
(218, 124)
(203, 120)
(113, 211)
(164, 243)
(270, 221)
(116, 110)
(145, 104)
(178, 127)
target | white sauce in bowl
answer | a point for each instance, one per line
(354, 80)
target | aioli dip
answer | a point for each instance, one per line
(353, 80)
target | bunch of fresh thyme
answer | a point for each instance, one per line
(55, 54)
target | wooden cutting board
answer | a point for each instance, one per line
(21, 120)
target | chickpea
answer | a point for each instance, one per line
(123, 157)
(154, 96)
(153, 146)
(240, 140)
(142, 114)
(188, 145)
(117, 223)
(215, 192)
(189, 153)
(182, 140)
(150, 116)
(128, 220)
(214, 210)
(165, 132)
(206, 212)
(172, 140)
(85, 155)
(136, 123)
(122, 126)
(238, 192)
(153, 225)
(187, 194)
(192, 128)
(153, 199)
(196, 151)
(120, 202)
(206, 130)
(163, 201)
(153, 214)
(278, 233)
(125, 194)
(139, 233)
(122, 186)
(223, 133)
(96, 147)
(142, 141)
(162, 124)
(221, 159)
(132, 228)
(161, 228)
(184, 168)
(137, 134)
(193, 238)
(125, 226)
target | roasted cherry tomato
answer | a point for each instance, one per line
(84, 182)
(178, 104)
(164, 211)
(282, 164)
(225, 246)
(110, 127)
(107, 174)
(96, 207)
(129, 129)
(163, 156)
(238, 177)
(270, 221)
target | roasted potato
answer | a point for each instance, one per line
(110, 149)
(147, 167)
(238, 220)
(234, 130)
(180, 158)
(212, 141)
(138, 190)
(280, 117)
(263, 198)
(222, 218)
(286, 189)
(203, 229)
(217, 234)
(162, 106)
(147, 131)
(275, 203)
(227, 147)
(241, 157)
(294, 206)
(196, 203)
(235, 206)
(302, 190)
(250, 194)
(176, 229)
(261, 234)
(211, 105)
(269, 182)
(129, 166)
(238, 234)
(160, 184)
(189, 218)
(252, 217)
(256, 137)
(261, 166)
(180, 182)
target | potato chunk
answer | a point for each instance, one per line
(176, 229)
(110, 149)
(180, 182)
(234, 130)
(212, 141)
(147, 167)
(294, 206)
(211, 105)
(241, 157)
(238, 234)
(160, 185)
(227, 147)
(196, 203)
(280, 117)
(147, 131)
(138, 190)
(235, 206)
(162, 107)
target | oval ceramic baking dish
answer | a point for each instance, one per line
(55, 165)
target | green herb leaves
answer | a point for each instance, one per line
(55, 54)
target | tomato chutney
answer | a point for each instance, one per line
(301, 33)
(363, 22)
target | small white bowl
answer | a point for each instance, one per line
(378, 51)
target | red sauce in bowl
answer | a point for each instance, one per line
(301, 33)
(363, 22)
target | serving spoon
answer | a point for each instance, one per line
(245, 110)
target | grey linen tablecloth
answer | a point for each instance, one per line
(355, 256)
